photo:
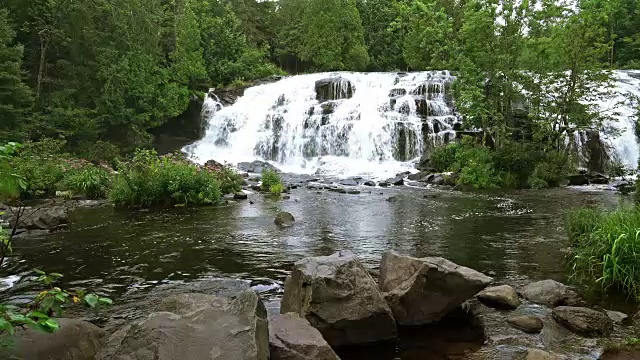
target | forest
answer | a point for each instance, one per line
(101, 73)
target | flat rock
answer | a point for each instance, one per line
(45, 218)
(550, 293)
(617, 317)
(397, 181)
(526, 323)
(500, 297)
(338, 297)
(421, 291)
(349, 182)
(537, 354)
(583, 321)
(293, 338)
(284, 219)
(197, 327)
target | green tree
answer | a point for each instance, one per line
(383, 36)
(188, 63)
(15, 95)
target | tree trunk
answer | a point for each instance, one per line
(44, 45)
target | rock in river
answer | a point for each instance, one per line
(293, 338)
(45, 218)
(284, 219)
(76, 340)
(338, 297)
(583, 321)
(526, 323)
(422, 291)
(500, 297)
(199, 327)
(550, 293)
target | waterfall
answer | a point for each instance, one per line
(367, 124)
(335, 123)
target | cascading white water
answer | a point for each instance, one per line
(369, 124)
(355, 124)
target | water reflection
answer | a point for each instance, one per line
(514, 237)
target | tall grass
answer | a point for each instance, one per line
(272, 182)
(606, 247)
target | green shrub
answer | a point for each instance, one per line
(42, 165)
(606, 247)
(230, 180)
(150, 180)
(90, 181)
(550, 171)
(476, 168)
(442, 158)
(271, 181)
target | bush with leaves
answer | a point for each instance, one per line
(91, 181)
(271, 182)
(42, 165)
(230, 180)
(149, 180)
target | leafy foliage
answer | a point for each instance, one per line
(90, 181)
(149, 180)
(272, 182)
(604, 247)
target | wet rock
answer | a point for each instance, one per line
(578, 180)
(369, 183)
(422, 291)
(392, 199)
(435, 179)
(354, 192)
(76, 340)
(403, 174)
(419, 175)
(537, 354)
(199, 326)
(397, 92)
(617, 317)
(597, 178)
(349, 182)
(338, 297)
(240, 196)
(256, 167)
(286, 197)
(451, 179)
(550, 293)
(397, 181)
(526, 323)
(333, 89)
(583, 321)
(501, 297)
(285, 219)
(213, 165)
(90, 204)
(293, 338)
(384, 184)
(46, 218)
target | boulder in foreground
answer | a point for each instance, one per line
(338, 297)
(550, 293)
(422, 291)
(583, 321)
(293, 338)
(500, 297)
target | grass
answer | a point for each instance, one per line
(271, 182)
(606, 248)
(91, 181)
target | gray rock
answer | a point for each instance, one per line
(397, 181)
(384, 184)
(76, 340)
(349, 182)
(256, 167)
(284, 219)
(240, 196)
(46, 218)
(436, 179)
(617, 317)
(578, 180)
(583, 321)
(339, 298)
(293, 338)
(333, 89)
(369, 183)
(550, 293)
(500, 297)
(422, 291)
(537, 354)
(526, 323)
(197, 327)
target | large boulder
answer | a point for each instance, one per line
(339, 298)
(550, 293)
(583, 321)
(198, 327)
(46, 218)
(334, 89)
(293, 338)
(256, 167)
(284, 219)
(422, 291)
(76, 340)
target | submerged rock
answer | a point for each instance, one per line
(583, 321)
(76, 340)
(422, 291)
(550, 293)
(338, 297)
(501, 297)
(293, 338)
(284, 219)
(198, 326)
(526, 323)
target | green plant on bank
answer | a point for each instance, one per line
(271, 182)
(42, 164)
(49, 303)
(606, 247)
(90, 181)
(150, 180)
(230, 180)
(513, 165)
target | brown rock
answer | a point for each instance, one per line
(500, 297)
(550, 293)
(583, 321)
(526, 323)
